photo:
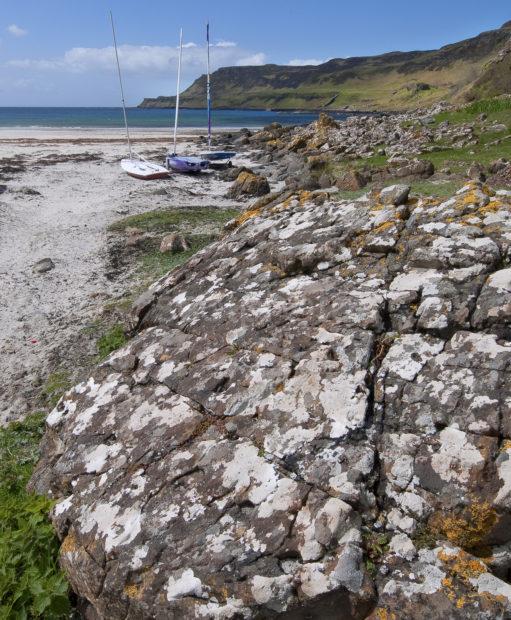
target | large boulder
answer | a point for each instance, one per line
(249, 184)
(312, 421)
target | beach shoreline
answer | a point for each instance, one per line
(61, 190)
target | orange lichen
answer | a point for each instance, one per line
(469, 529)
(304, 196)
(492, 207)
(469, 198)
(385, 226)
(384, 614)
(69, 544)
(506, 445)
(461, 565)
(247, 216)
(132, 590)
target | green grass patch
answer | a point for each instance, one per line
(56, 385)
(439, 189)
(154, 264)
(497, 110)
(343, 194)
(31, 582)
(114, 338)
(174, 218)
(459, 159)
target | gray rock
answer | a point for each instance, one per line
(174, 243)
(325, 379)
(43, 265)
(395, 195)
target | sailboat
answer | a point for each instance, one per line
(212, 155)
(135, 165)
(180, 163)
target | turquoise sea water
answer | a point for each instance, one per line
(138, 117)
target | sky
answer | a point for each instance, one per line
(59, 52)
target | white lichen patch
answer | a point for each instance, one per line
(183, 583)
(408, 355)
(249, 473)
(456, 456)
(117, 526)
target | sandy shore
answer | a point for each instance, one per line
(61, 190)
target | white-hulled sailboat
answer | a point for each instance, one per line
(135, 165)
(173, 161)
(209, 154)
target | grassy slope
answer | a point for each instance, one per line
(386, 82)
(491, 145)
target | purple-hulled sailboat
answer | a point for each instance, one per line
(173, 161)
(212, 155)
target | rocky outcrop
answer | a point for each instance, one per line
(249, 184)
(313, 416)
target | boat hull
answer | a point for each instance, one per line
(179, 163)
(218, 155)
(144, 170)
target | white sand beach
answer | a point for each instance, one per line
(61, 189)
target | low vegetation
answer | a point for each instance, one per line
(31, 582)
(173, 219)
(55, 385)
(111, 340)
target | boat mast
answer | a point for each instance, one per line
(120, 84)
(208, 90)
(178, 86)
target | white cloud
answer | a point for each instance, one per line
(253, 60)
(141, 59)
(225, 44)
(303, 62)
(16, 31)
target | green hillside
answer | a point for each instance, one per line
(480, 66)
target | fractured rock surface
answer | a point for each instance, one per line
(329, 374)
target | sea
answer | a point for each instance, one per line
(149, 118)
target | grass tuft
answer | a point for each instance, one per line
(114, 338)
(56, 385)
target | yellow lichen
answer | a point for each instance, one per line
(466, 530)
(247, 216)
(383, 227)
(384, 614)
(506, 445)
(132, 590)
(304, 196)
(69, 544)
(461, 565)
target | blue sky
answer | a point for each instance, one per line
(58, 52)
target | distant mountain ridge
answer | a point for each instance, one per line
(463, 71)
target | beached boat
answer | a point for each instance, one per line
(173, 161)
(180, 163)
(212, 155)
(135, 165)
(144, 170)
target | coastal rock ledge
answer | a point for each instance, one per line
(313, 421)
